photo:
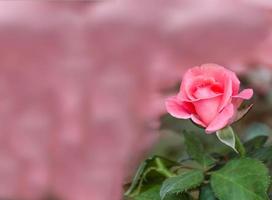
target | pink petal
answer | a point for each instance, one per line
(216, 71)
(176, 108)
(238, 99)
(196, 120)
(184, 99)
(207, 109)
(245, 94)
(187, 80)
(221, 120)
(204, 92)
(227, 93)
(219, 73)
(235, 83)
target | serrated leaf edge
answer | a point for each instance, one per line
(267, 181)
(179, 192)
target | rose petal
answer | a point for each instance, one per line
(221, 120)
(206, 71)
(187, 80)
(216, 71)
(176, 108)
(183, 99)
(204, 92)
(207, 109)
(238, 99)
(227, 92)
(245, 94)
(235, 83)
(196, 120)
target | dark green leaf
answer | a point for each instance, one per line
(257, 129)
(241, 179)
(153, 193)
(182, 196)
(181, 183)
(255, 143)
(264, 154)
(196, 150)
(149, 170)
(206, 193)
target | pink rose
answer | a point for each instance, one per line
(209, 95)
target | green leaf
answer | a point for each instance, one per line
(150, 169)
(241, 179)
(182, 196)
(264, 154)
(227, 137)
(255, 143)
(257, 129)
(153, 193)
(181, 183)
(206, 193)
(196, 150)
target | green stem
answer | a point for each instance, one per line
(162, 169)
(239, 146)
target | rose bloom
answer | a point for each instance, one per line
(209, 96)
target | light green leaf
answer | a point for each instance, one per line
(241, 179)
(196, 150)
(181, 183)
(151, 167)
(206, 193)
(227, 137)
(153, 193)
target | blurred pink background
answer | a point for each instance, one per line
(82, 84)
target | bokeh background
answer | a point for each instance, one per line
(83, 84)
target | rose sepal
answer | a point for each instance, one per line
(229, 138)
